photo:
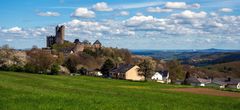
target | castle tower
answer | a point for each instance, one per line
(60, 34)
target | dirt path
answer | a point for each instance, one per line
(207, 91)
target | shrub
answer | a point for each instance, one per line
(55, 69)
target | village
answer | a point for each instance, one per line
(122, 70)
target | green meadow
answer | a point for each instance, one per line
(23, 91)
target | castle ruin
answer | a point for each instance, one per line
(58, 38)
(78, 45)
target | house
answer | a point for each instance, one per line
(233, 83)
(197, 81)
(78, 48)
(97, 44)
(127, 72)
(225, 83)
(162, 77)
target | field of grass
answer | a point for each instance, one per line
(23, 91)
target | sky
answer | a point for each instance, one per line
(132, 24)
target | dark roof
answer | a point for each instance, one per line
(122, 68)
(97, 42)
(76, 41)
(198, 80)
(163, 73)
(93, 69)
(219, 82)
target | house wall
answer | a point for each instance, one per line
(235, 86)
(78, 48)
(97, 45)
(232, 86)
(132, 74)
(157, 76)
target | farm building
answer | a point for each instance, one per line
(128, 72)
(162, 77)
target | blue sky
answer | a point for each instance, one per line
(133, 24)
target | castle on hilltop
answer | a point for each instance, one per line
(58, 38)
(78, 45)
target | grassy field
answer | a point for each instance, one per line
(22, 91)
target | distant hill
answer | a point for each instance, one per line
(212, 58)
(231, 68)
(193, 57)
(179, 54)
(213, 50)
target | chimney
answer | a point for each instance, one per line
(229, 79)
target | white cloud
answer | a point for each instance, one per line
(76, 23)
(137, 20)
(216, 24)
(191, 15)
(93, 28)
(195, 5)
(48, 13)
(226, 10)
(181, 5)
(102, 6)
(83, 12)
(13, 30)
(40, 32)
(176, 5)
(158, 10)
(146, 23)
(124, 13)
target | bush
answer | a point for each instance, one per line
(29, 68)
(71, 63)
(15, 68)
(55, 69)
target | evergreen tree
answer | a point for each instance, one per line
(106, 67)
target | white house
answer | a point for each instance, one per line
(162, 77)
(157, 76)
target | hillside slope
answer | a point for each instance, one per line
(231, 68)
(22, 91)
